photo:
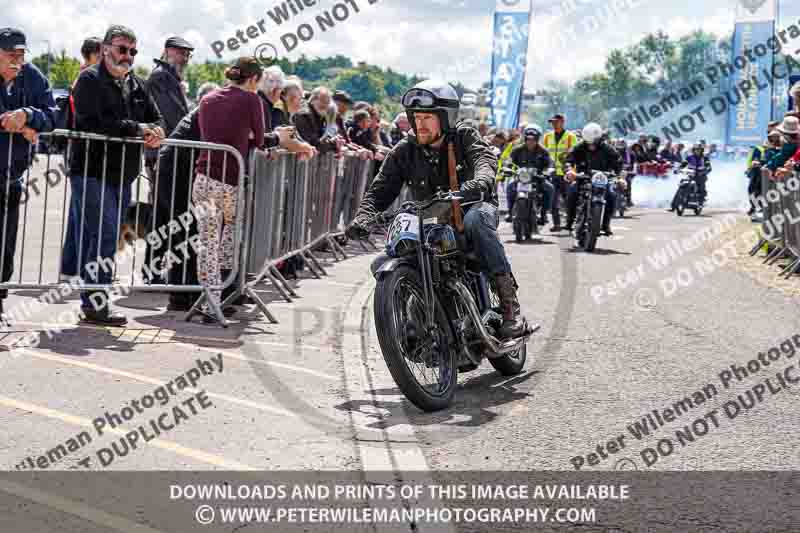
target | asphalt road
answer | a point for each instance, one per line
(313, 392)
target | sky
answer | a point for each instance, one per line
(449, 39)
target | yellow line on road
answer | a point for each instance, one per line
(147, 379)
(163, 444)
(74, 508)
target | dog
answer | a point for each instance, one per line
(133, 228)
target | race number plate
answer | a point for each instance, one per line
(405, 226)
(524, 187)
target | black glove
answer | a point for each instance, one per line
(356, 231)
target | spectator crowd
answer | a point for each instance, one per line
(272, 111)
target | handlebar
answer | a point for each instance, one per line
(416, 207)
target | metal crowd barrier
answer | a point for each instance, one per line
(780, 228)
(790, 210)
(52, 237)
(298, 207)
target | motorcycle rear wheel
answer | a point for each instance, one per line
(513, 363)
(399, 310)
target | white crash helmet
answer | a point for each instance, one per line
(592, 132)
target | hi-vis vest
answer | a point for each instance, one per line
(558, 151)
(502, 159)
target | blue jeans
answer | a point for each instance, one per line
(480, 229)
(97, 247)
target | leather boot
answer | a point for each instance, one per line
(514, 324)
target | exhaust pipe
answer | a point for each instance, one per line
(497, 347)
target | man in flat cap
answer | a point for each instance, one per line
(26, 108)
(164, 83)
(164, 86)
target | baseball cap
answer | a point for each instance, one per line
(12, 39)
(557, 116)
(178, 42)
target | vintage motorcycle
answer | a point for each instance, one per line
(688, 193)
(436, 313)
(620, 187)
(527, 204)
(589, 209)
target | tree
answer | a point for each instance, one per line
(361, 85)
(656, 57)
(64, 71)
(41, 62)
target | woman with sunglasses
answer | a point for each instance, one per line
(217, 175)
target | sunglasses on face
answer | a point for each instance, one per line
(125, 50)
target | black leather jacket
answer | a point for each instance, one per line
(424, 170)
(603, 158)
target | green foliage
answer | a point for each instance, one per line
(364, 82)
(64, 71)
(649, 69)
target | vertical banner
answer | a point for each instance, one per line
(748, 120)
(509, 60)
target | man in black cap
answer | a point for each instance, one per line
(164, 86)
(343, 104)
(165, 80)
(26, 108)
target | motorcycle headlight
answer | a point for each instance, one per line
(599, 180)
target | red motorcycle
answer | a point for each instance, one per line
(658, 168)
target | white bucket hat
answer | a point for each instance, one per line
(789, 126)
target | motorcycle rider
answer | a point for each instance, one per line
(589, 156)
(698, 162)
(421, 161)
(652, 148)
(629, 161)
(558, 143)
(531, 155)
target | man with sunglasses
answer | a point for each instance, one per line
(26, 108)
(109, 100)
(421, 161)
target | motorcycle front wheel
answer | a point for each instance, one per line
(422, 363)
(593, 231)
(679, 207)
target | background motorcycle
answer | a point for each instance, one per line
(620, 188)
(527, 204)
(435, 312)
(688, 193)
(589, 209)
